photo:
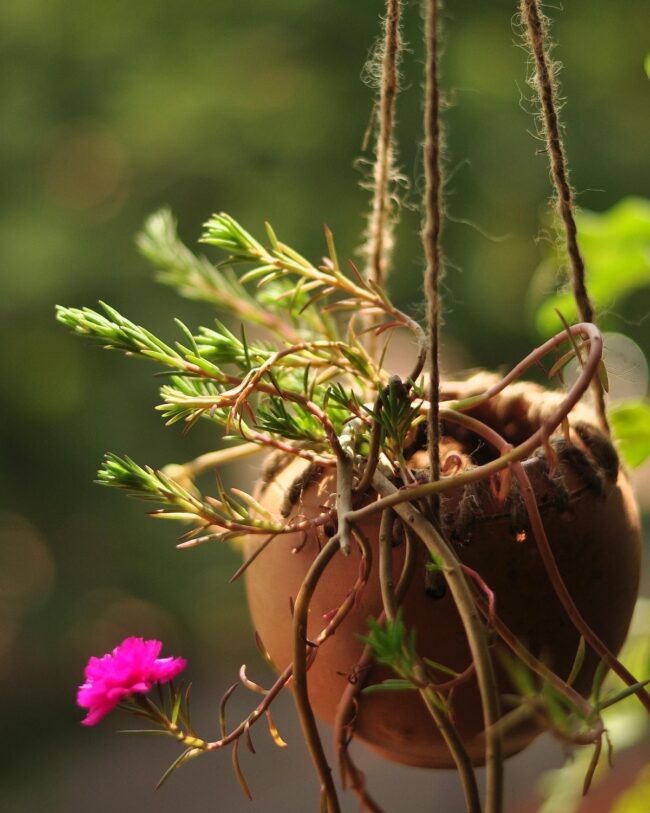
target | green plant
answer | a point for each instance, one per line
(304, 376)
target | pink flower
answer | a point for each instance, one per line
(131, 668)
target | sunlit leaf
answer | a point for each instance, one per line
(631, 427)
(616, 248)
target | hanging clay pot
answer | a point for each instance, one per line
(592, 524)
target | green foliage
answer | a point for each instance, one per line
(626, 722)
(201, 381)
(347, 400)
(195, 277)
(177, 266)
(291, 421)
(395, 414)
(223, 231)
(221, 346)
(172, 718)
(435, 565)
(116, 332)
(631, 427)
(296, 391)
(224, 518)
(147, 484)
(187, 398)
(392, 645)
(277, 262)
(616, 248)
(390, 685)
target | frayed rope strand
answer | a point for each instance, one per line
(545, 86)
(431, 231)
(380, 221)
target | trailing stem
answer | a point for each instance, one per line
(538, 438)
(374, 450)
(426, 689)
(545, 84)
(388, 594)
(301, 696)
(474, 631)
(546, 553)
(190, 740)
(344, 474)
(344, 723)
(210, 461)
(563, 593)
(456, 748)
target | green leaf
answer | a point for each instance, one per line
(292, 422)
(616, 249)
(391, 644)
(160, 732)
(177, 705)
(435, 565)
(188, 754)
(629, 690)
(194, 277)
(631, 427)
(188, 399)
(390, 685)
(116, 332)
(148, 484)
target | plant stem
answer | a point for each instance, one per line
(388, 596)
(374, 448)
(261, 440)
(475, 633)
(343, 728)
(344, 474)
(301, 696)
(285, 676)
(548, 675)
(211, 460)
(546, 554)
(416, 492)
(562, 592)
(426, 690)
(454, 743)
(249, 383)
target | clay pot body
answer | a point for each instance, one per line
(595, 539)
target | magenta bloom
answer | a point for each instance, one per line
(131, 668)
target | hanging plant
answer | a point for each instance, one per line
(440, 569)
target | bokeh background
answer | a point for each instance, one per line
(110, 110)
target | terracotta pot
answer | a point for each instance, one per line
(593, 526)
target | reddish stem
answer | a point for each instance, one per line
(546, 553)
(411, 493)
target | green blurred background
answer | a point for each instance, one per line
(112, 109)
